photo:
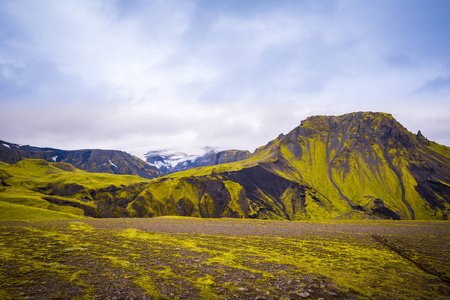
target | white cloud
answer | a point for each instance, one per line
(88, 39)
(163, 74)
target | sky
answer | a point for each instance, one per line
(138, 75)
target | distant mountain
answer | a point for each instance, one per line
(169, 161)
(159, 163)
(174, 161)
(91, 160)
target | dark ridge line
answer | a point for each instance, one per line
(88, 211)
(330, 176)
(429, 270)
(402, 186)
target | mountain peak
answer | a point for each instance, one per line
(326, 123)
(362, 127)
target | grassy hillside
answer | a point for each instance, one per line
(14, 211)
(48, 190)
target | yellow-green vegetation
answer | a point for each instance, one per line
(349, 162)
(238, 205)
(27, 183)
(35, 171)
(192, 196)
(263, 154)
(13, 211)
(171, 258)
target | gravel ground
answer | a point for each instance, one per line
(190, 258)
(239, 227)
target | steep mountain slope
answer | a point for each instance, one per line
(368, 162)
(175, 161)
(359, 165)
(91, 160)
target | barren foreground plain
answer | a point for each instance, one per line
(191, 258)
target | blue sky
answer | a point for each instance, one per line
(147, 75)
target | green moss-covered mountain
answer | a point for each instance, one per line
(359, 165)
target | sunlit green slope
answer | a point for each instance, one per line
(35, 189)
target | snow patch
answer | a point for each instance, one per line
(54, 157)
(112, 164)
(168, 159)
(171, 159)
(159, 164)
(7, 146)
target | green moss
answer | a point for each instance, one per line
(331, 161)
(147, 284)
(204, 284)
(317, 211)
(5, 295)
(238, 204)
(207, 206)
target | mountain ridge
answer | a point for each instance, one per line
(361, 165)
(156, 163)
(92, 160)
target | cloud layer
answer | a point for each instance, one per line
(145, 75)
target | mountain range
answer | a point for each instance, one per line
(159, 163)
(353, 166)
(92, 160)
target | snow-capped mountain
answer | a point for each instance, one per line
(170, 161)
